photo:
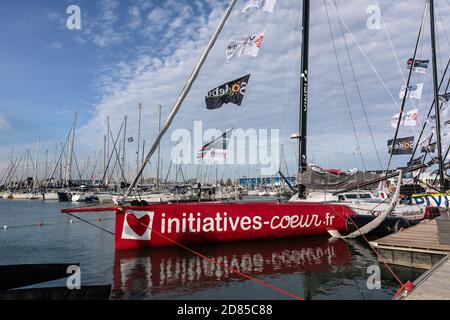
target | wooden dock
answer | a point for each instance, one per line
(419, 247)
(433, 284)
(416, 247)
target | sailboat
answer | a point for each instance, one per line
(161, 225)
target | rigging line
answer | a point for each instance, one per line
(442, 23)
(343, 87)
(358, 88)
(406, 88)
(89, 223)
(431, 109)
(232, 270)
(366, 57)
(392, 46)
(291, 62)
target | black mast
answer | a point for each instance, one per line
(302, 160)
(436, 98)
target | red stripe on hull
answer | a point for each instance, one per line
(169, 224)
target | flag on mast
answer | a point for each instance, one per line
(420, 66)
(414, 91)
(409, 119)
(265, 5)
(232, 91)
(244, 46)
(216, 150)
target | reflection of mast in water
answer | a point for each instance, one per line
(172, 270)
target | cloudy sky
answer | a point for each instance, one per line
(142, 51)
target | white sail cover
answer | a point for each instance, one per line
(414, 91)
(409, 119)
(245, 46)
(266, 5)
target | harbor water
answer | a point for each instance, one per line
(314, 267)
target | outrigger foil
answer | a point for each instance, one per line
(174, 224)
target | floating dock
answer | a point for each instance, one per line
(416, 247)
(419, 247)
(433, 284)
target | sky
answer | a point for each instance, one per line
(143, 51)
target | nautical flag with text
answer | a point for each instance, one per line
(409, 119)
(244, 46)
(414, 91)
(402, 146)
(420, 66)
(216, 150)
(266, 5)
(231, 92)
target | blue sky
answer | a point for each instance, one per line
(142, 51)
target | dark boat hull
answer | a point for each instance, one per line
(85, 293)
(17, 276)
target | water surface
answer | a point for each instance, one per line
(313, 267)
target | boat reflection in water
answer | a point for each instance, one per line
(174, 271)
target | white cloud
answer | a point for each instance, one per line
(54, 45)
(4, 124)
(178, 36)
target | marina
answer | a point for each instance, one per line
(227, 190)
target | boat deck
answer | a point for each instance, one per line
(416, 247)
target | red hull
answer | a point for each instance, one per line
(191, 223)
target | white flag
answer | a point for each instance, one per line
(266, 5)
(409, 119)
(245, 45)
(414, 91)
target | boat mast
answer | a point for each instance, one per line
(124, 150)
(436, 98)
(302, 161)
(35, 179)
(138, 137)
(70, 152)
(158, 164)
(176, 107)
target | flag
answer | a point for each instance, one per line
(420, 66)
(232, 91)
(414, 91)
(402, 146)
(445, 97)
(415, 162)
(266, 5)
(245, 45)
(430, 148)
(409, 119)
(216, 150)
(425, 141)
(130, 139)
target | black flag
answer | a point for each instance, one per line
(402, 146)
(431, 148)
(415, 162)
(420, 66)
(232, 91)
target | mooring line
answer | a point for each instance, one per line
(242, 274)
(378, 255)
(42, 224)
(90, 223)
